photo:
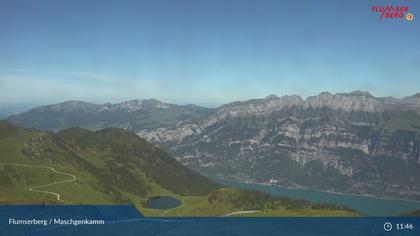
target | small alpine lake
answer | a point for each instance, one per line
(370, 206)
(163, 202)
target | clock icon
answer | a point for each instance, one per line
(387, 226)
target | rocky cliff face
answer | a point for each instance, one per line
(353, 143)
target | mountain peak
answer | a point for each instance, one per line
(361, 93)
(354, 101)
(325, 93)
(271, 96)
(138, 104)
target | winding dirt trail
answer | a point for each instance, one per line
(34, 188)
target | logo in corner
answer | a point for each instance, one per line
(393, 12)
(409, 16)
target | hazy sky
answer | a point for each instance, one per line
(203, 52)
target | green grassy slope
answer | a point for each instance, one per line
(411, 213)
(113, 166)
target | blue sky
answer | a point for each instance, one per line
(203, 52)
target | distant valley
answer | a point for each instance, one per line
(345, 142)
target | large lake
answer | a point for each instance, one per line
(370, 206)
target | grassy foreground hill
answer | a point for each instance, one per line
(114, 166)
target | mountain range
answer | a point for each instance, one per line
(344, 142)
(114, 166)
(131, 115)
